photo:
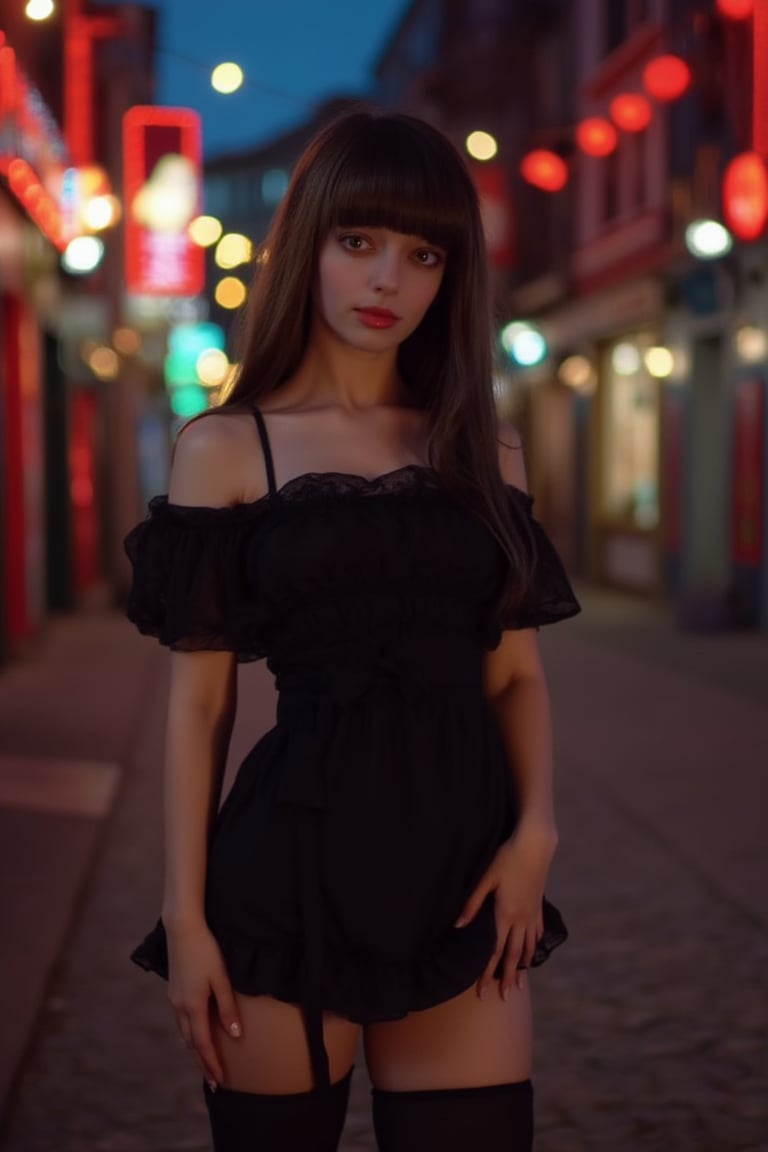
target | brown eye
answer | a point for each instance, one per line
(354, 242)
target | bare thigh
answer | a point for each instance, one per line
(272, 1056)
(463, 1043)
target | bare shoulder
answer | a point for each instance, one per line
(212, 460)
(512, 456)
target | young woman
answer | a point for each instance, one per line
(353, 513)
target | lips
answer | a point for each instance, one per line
(377, 317)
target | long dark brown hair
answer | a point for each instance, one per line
(378, 169)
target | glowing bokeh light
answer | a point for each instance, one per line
(745, 196)
(659, 361)
(481, 145)
(230, 292)
(126, 340)
(666, 78)
(708, 239)
(576, 372)
(39, 9)
(233, 249)
(596, 136)
(205, 230)
(625, 359)
(545, 170)
(227, 78)
(83, 255)
(100, 212)
(631, 112)
(104, 362)
(212, 367)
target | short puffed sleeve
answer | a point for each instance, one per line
(549, 596)
(195, 579)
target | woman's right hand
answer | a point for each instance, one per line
(197, 975)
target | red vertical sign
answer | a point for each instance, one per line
(760, 78)
(748, 472)
(162, 176)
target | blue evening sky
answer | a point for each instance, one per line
(294, 53)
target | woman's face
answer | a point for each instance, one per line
(375, 285)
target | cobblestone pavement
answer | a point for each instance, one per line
(652, 1019)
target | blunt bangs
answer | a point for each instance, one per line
(391, 175)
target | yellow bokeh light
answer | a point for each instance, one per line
(205, 230)
(227, 78)
(212, 367)
(660, 362)
(481, 145)
(39, 9)
(126, 340)
(576, 372)
(230, 292)
(233, 249)
(104, 362)
(100, 212)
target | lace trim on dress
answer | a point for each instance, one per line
(322, 485)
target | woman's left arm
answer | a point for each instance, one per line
(516, 689)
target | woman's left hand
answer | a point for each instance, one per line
(516, 875)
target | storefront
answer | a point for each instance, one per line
(600, 421)
(627, 481)
(31, 162)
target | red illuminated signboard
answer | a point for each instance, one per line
(32, 150)
(162, 166)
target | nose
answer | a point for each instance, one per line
(385, 270)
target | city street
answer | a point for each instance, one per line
(651, 1019)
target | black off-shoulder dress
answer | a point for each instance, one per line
(357, 827)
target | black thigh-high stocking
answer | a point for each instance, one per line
(252, 1122)
(495, 1119)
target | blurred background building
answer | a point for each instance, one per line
(618, 151)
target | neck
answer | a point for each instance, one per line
(331, 373)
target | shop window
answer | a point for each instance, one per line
(630, 410)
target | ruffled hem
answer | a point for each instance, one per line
(363, 988)
(550, 597)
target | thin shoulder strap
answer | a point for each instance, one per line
(265, 447)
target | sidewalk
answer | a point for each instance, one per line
(651, 1020)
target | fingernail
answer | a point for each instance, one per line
(212, 1085)
(234, 1029)
(482, 992)
(460, 922)
(505, 992)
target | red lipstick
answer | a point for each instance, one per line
(377, 317)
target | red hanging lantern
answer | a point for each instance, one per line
(736, 9)
(545, 170)
(745, 196)
(596, 136)
(666, 78)
(631, 112)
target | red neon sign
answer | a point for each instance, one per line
(745, 196)
(162, 178)
(32, 152)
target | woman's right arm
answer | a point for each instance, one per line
(201, 708)
(200, 716)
